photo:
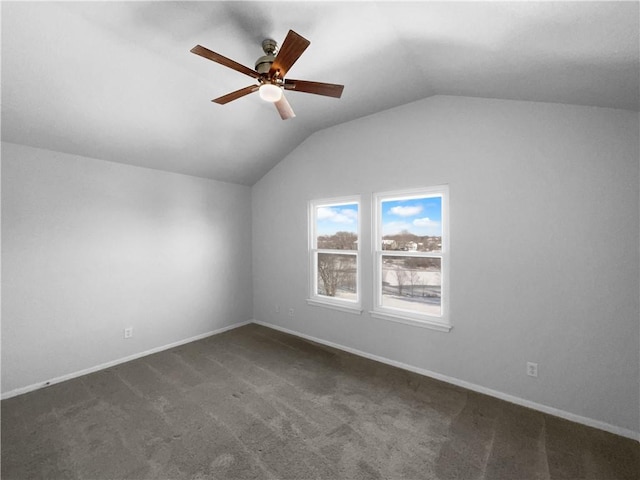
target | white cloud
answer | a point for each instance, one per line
(425, 222)
(324, 212)
(426, 226)
(393, 228)
(338, 215)
(419, 226)
(408, 211)
(341, 218)
(350, 213)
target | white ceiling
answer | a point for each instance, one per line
(116, 80)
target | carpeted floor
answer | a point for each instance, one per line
(256, 403)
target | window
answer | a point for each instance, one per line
(411, 257)
(334, 246)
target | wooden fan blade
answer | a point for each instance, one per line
(291, 49)
(227, 62)
(229, 97)
(284, 109)
(319, 88)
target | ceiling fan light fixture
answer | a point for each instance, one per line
(270, 92)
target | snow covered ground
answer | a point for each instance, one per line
(415, 304)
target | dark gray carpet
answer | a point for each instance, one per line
(256, 403)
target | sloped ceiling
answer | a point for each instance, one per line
(116, 80)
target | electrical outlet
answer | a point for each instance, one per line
(532, 369)
(291, 312)
(128, 332)
(277, 308)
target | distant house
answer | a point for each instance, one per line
(389, 244)
(411, 246)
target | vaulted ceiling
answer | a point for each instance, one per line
(116, 81)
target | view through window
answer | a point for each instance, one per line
(335, 250)
(410, 253)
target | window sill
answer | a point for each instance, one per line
(355, 309)
(441, 327)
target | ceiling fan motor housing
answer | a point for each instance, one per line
(263, 64)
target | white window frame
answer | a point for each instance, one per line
(441, 322)
(341, 304)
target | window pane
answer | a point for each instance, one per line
(412, 283)
(337, 227)
(337, 276)
(413, 224)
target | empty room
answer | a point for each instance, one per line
(320, 240)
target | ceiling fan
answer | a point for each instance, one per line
(270, 71)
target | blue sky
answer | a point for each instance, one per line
(420, 216)
(341, 218)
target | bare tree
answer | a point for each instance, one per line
(414, 277)
(346, 240)
(329, 273)
(339, 241)
(336, 272)
(401, 276)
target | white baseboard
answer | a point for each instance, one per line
(69, 376)
(624, 432)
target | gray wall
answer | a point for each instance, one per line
(544, 245)
(91, 247)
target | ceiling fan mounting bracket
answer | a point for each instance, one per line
(270, 46)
